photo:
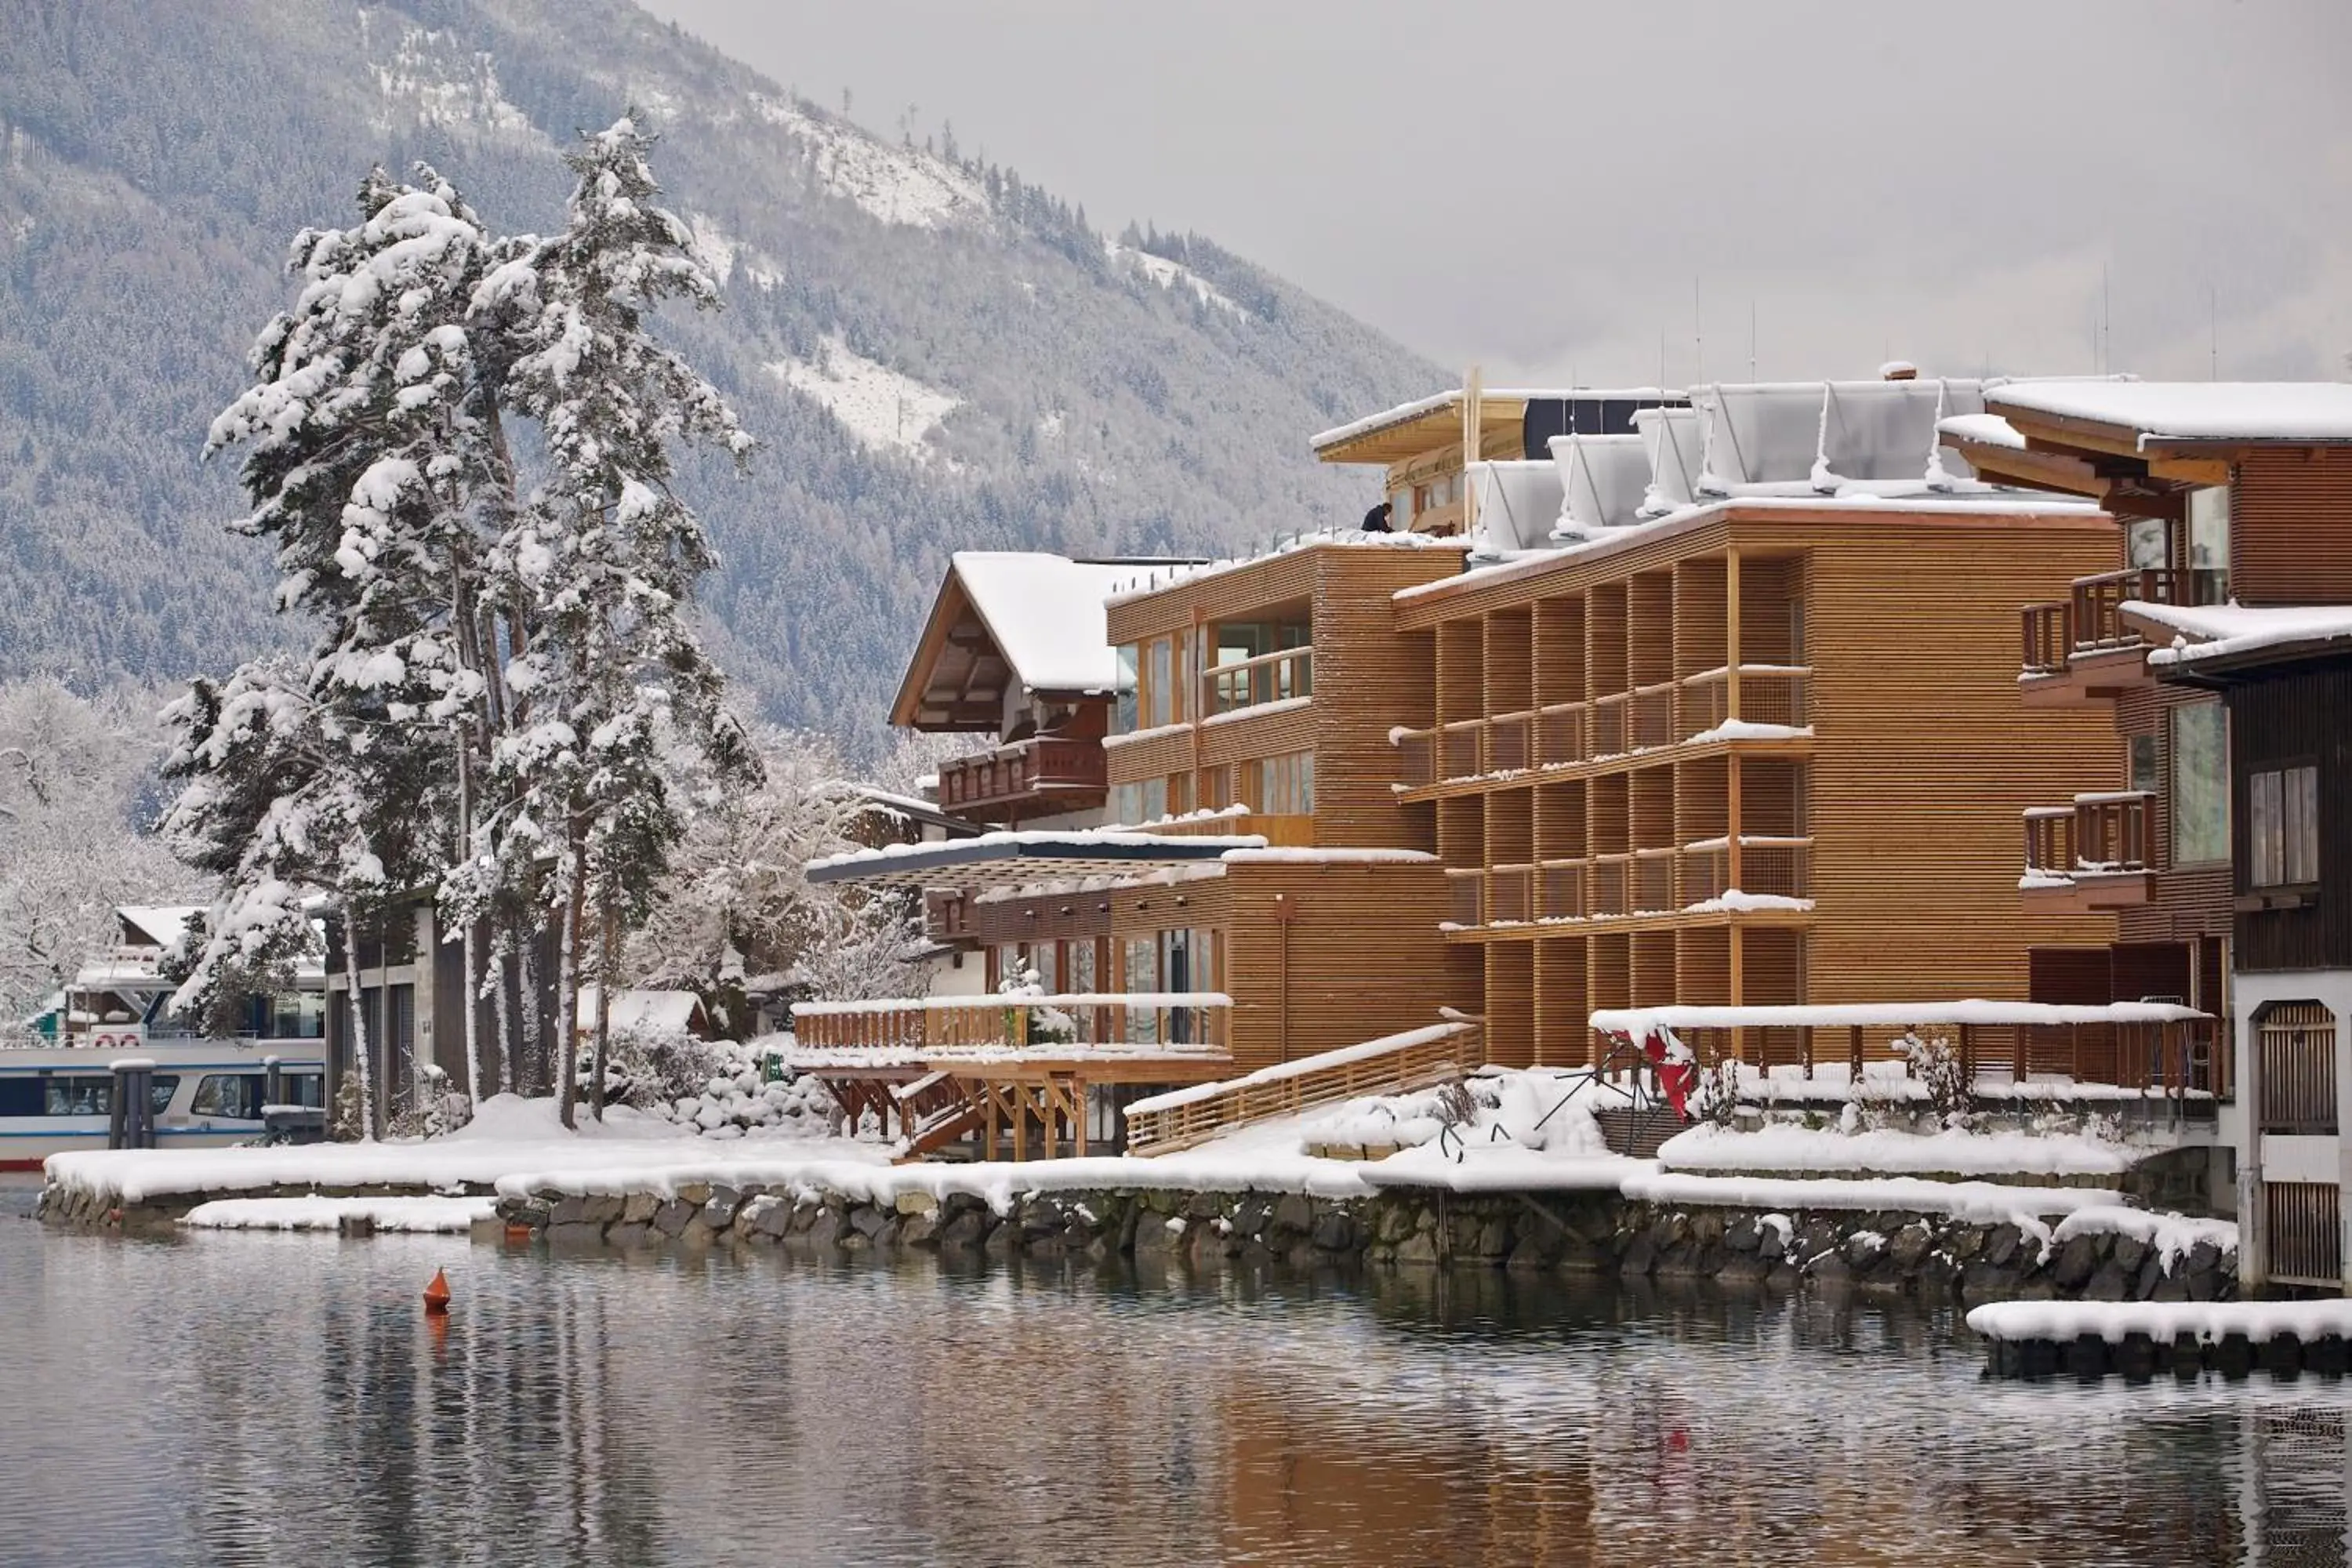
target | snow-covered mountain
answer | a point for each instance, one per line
(937, 354)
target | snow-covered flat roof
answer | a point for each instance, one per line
(1136, 582)
(1045, 613)
(1007, 857)
(1404, 412)
(2209, 632)
(2194, 410)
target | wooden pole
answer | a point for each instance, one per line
(1731, 632)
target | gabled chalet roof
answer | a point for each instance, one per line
(1022, 619)
(2160, 412)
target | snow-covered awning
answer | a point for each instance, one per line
(1636, 1022)
(1015, 858)
(2287, 412)
(2212, 636)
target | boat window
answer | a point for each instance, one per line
(305, 1088)
(20, 1096)
(237, 1096)
(93, 1094)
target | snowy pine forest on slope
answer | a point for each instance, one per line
(935, 354)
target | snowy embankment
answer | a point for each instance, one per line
(2207, 1322)
(416, 1215)
(1784, 1148)
(507, 1135)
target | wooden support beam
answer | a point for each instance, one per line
(1078, 1127)
(1731, 634)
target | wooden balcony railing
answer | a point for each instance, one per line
(1609, 885)
(1417, 758)
(1507, 737)
(1423, 1059)
(2049, 638)
(1769, 694)
(1769, 867)
(1468, 895)
(1650, 717)
(1510, 894)
(911, 1027)
(2099, 834)
(1610, 726)
(1461, 749)
(1274, 677)
(2098, 600)
(1563, 889)
(1559, 734)
(2174, 1060)
(1048, 764)
(2090, 620)
(1653, 890)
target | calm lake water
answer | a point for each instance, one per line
(228, 1399)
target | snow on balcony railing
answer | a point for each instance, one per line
(912, 1026)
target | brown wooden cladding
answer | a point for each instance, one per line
(2291, 527)
(2296, 717)
(1357, 957)
(1923, 760)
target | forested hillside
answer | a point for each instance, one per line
(935, 353)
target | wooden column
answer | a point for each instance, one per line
(1018, 1095)
(1078, 1123)
(1731, 632)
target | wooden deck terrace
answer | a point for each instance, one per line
(945, 1068)
(2156, 1051)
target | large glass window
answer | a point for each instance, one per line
(2144, 546)
(2208, 537)
(1284, 785)
(1123, 712)
(1142, 974)
(2282, 827)
(2199, 797)
(1159, 685)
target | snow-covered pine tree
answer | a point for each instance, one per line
(370, 450)
(603, 560)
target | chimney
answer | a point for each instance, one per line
(1898, 370)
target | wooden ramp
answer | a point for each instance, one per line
(1395, 1064)
(1637, 1132)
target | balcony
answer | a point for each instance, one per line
(1773, 703)
(1769, 868)
(1641, 884)
(2093, 855)
(909, 1034)
(1031, 777)
(2060, 637)
(1284, 676)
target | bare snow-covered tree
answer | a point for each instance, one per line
(738, 909)
(75, 777)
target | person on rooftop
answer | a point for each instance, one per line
(1377, 520)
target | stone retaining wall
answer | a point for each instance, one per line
(1899, 1253)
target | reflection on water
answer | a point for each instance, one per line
(246, 1399)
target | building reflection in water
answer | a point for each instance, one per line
(288, 1402)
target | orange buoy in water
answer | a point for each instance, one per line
(437, 1295)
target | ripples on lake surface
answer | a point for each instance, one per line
(279, 1399)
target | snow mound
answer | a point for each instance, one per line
(902, 185)
(884, 409)
(1783, 1146)
(424, 1215)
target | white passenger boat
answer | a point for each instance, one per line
(206, 1094)
(56, 1093)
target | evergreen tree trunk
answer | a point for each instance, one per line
(506, 1005)
(607, 960)
(534, 1028)
(361, 1062)
(567, 988)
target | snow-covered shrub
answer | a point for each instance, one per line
(1048, 1025)
(1717, 1098)
(723, 1089)
(435, 1109)
(1939, 1070)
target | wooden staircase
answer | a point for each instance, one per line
(935, 1111)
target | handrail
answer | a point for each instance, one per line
(1259, 681)
(1400, 1065)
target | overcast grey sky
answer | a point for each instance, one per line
(1542, 187)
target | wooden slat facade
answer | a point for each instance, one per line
(1909, 790)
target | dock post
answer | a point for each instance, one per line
(130, 1118)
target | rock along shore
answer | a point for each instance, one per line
(1927, 1254)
